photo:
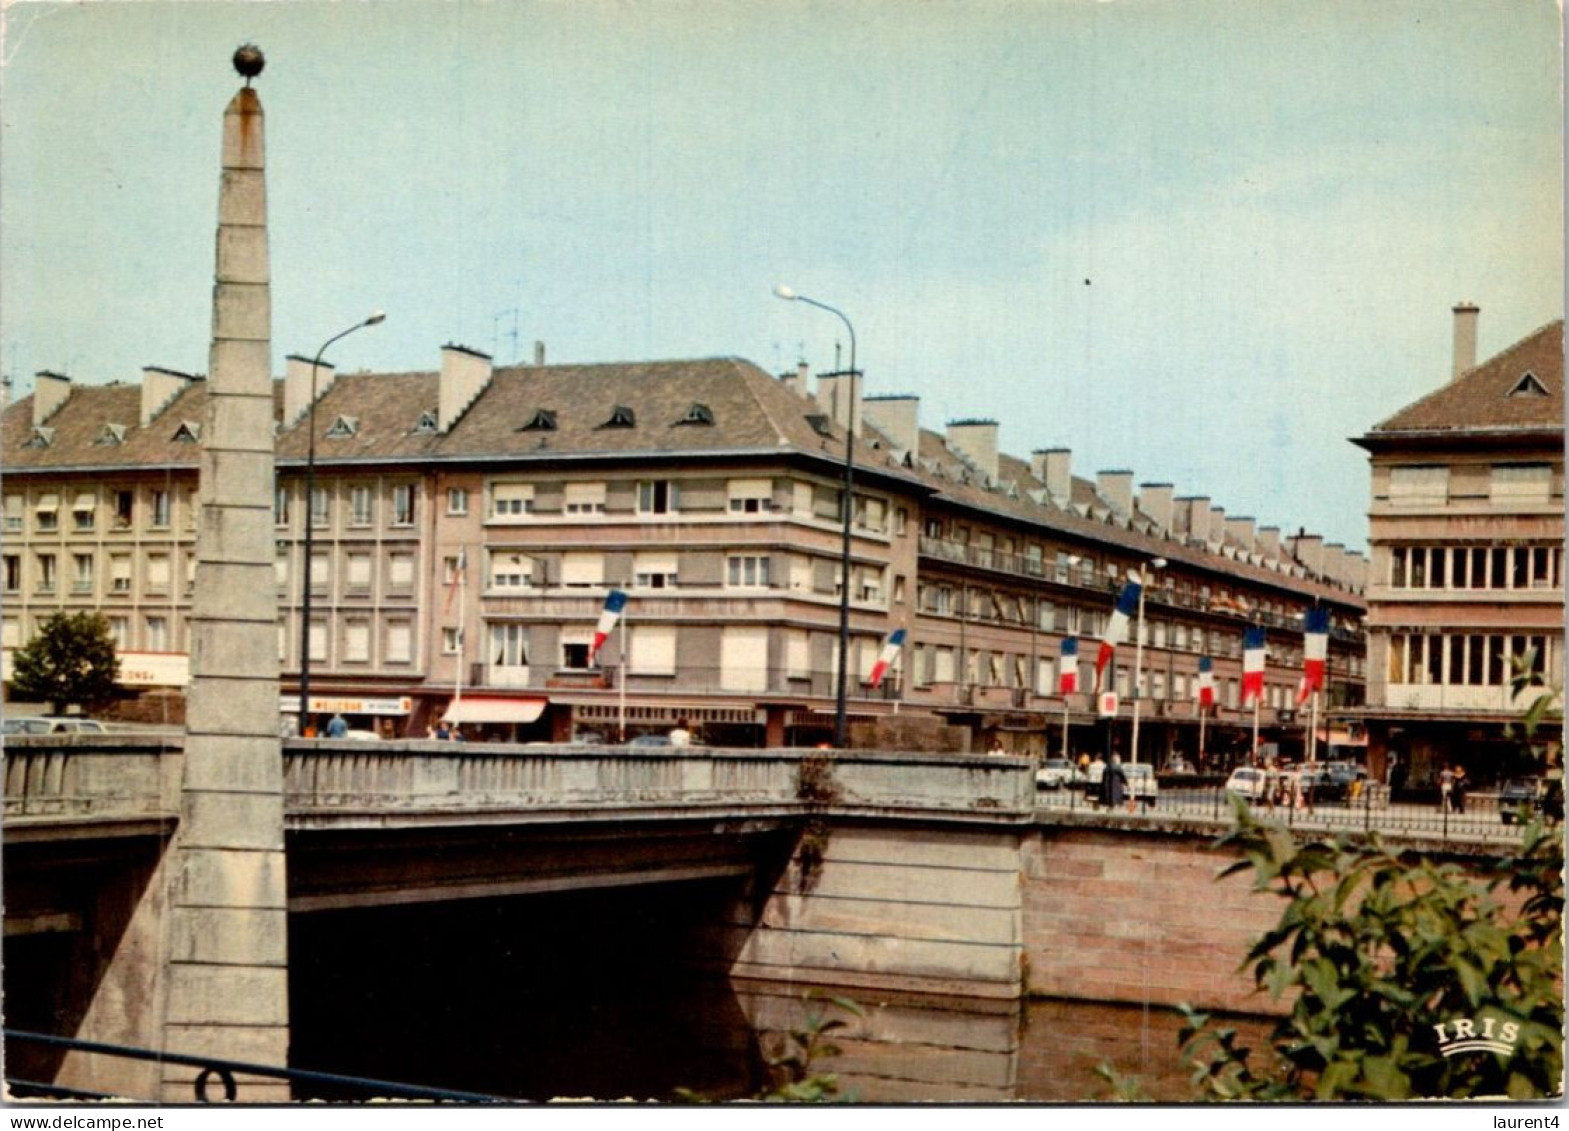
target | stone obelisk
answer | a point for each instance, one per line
(228, 994)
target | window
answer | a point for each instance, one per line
(13, 573)
(357, 573)
(507, 571)
(508, 645)
(46, 573)
(621, 417)
(747, 571)
(157, 636)
(356, 642)
(321, 507)
(84, 511)
(400, 572)
(47, 514)
(283, 641)
(10, 633)
(403, 504)
(582, 571)
(14, 506)
(321, 575)
(798, 654)
(280, 505)
(400, 642)
(743, 658)
(157, 573)
(654, 571)
(1397, 566)
(511, 499)
(82, 577)
(1419, 486)
(1529, 385)
(161, 510)
(574, 647)
(542, 421)
(653, 649)
(751, 496)
(871, 514)
(451, 640)
(457, 500)
(362, 505)
(1522, 484)
(660, 496)
(697, 414)
(120, 573)
(343, 428)
(584, 498)
(318, 640)
(901, 525)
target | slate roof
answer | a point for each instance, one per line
(1479, 400)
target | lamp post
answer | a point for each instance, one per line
(1138, 654)
(310, 526)
(847, 506)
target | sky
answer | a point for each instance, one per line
(1206, 241)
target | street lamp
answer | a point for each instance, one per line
(1138, 653)
(310, 526)
(847, 505)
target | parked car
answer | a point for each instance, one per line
(26, 724)
(1250, 783)
(1140, 776)
(1530, 795)
(646, 740)
(1056, 773)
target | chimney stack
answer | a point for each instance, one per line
(159, 388)
(1309, 550)
(1116, 487)
(50, 391)
(539, 353)
(1216, 530)
(836, 393)
(1054, 467)
(977, 440)
(898, 418)
(1465, 338)
(1269, 543)
(464, 375)
(297, 386)
(1240, 531)
(1155, 500)
(1193, 517)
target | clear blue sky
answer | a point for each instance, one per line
(1205, 241)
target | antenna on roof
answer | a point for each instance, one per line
(495, 334)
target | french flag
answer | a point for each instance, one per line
(1117, 627)
(1252, 664)
(1206, 684)
(615, 601)
(1068, 667)
(889, 654)
(1315, 652)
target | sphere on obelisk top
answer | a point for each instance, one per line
(249, 61)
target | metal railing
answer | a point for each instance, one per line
(224, 1072)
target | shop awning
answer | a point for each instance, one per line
(495, 710)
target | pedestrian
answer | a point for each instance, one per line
(457, 733)
(997, 747)
(1114, 783)
(1459, 789)
(1446, 788)
(443, 732)
(681, 735)
(337, 727)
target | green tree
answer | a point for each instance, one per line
(1375, 951)
(71, 660)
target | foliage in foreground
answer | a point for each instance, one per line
(1375, 952)
(793, 1075)
(71, 660)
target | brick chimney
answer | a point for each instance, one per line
(1465, 337)
(1155, 500)
(297, 386)
(159, 388)
(1335, 562)
(1217, 524)
(1054, 467)
(1240, 531)
(977, 440)
(1116, 487)
(1309, 550)
(50, 391)
(464, 375)
(1193, 516)
(898, 418)
(1269, 543)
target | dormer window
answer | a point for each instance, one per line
(621, 417)
(698, 414)
(426, 425)
(111, 436)
(343, 428)
(1529, 385)
(42, 437)
(819, 424)
(542, 421)
(189, 432)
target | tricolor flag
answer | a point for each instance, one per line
(615, 601)
(460, 566)
(1068, 670)
(1117, 627)
(1204, 690)
(1252, 664)
(1315, 650)
(889, 654)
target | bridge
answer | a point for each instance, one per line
(424, 873)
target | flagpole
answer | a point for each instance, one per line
(622, 681)
(1257, 699)
(1203, 717)
(457, 682)
(1313, 731)
(1065, 752)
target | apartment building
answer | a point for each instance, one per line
(467, 523)
(1466, 534)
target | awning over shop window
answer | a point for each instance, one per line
(495, 710)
